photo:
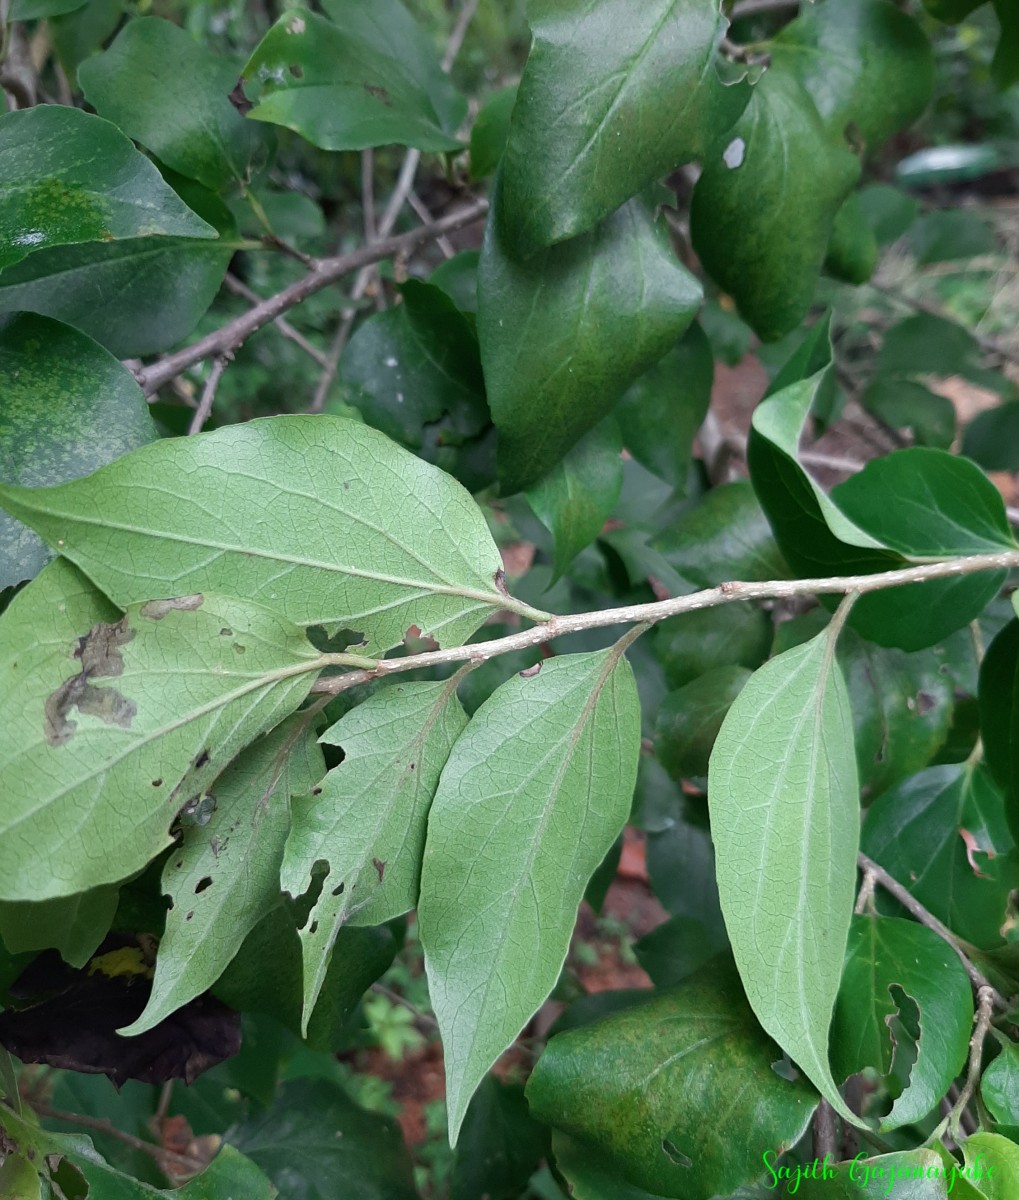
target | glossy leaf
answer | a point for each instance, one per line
(883, 954)
(999, 715)
(658, 1089)
(918, 831)
(172, 95)
(925, 502)
(225, 877)
(295, 1143)
(999, 1085)
(117, 760)
(612, 98)
(866, 64)
(69, 177)
(322, 518)
(662, 412)
(367, 77)
(551, 370)
(576, 498)
(760, 220)
(68, 407)
(366, 820)
(783, 796)
(689, 719)
(992, 1164)
(533, 795)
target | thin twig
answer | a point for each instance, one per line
(327, 271)
(395, 998)
(100, 1125)
(725, 593)
(239, 288)
(204, 409)
(865, 896)
(982, 1023)
(913, 906)
(459, 32)
(424, 214)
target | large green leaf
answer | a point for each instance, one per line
(992, 1165)
(319, 517)
(885, 955)
(659, 1088)
(998, 698)
(613, 97)
(576, 498)
(68, 407)
(138, 296)
(906, 1175)
(366, 78)
(366, 820)
(166, 91)
(763, 209)
(866, 64)
(225, 877)
(67, 177)
(315, 1143)
(566, 333)
(108, 727)
(999, 1085)
(785, 820)
(944, 836)
(533, 795)
(74, 925)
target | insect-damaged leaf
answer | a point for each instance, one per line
(320, 518)
(785, 820)
(533, 795)
(108, 726)
(367, 818)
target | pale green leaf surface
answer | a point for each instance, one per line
(992, 1163)
(613, 96)
(999, 1085)
(68, 407)
(905, 1175)
(785, 820)
(74, 925)
(225, 876)
(67, 176)
(320, 518)
(367, 818)
(533, 795)
(107, 727)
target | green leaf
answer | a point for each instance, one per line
(889, 211)
(576, 498)
(866, 64)
(999, 1085)
(992, 1164)
(73, 925)
(1005, 64)
(918, 832)
(34, 10)
(761, 219)
(731, 635)
(955, 233)
(951, 11)
(315, 1143)
(139, 296)
(612, 98)
(367, 77)
(500, 1145)
(70, 177)
(68, 408)
(225, 877)
(533, 795)
(80, 33)
(662, 412)
(926, 503)
(490, 131)
(784, 802)
(726, 536)
(998, 697)
(689, 719)
(566, 333)
(883, 954)
(366, 820)
(589, 1173)
(229, 1174)
(166, 91)
(110, 726)
(853, 249)
(992, 438)
(906, 404)
(659, 1088)
(926, 344)
(906, 1175)
(322, 518)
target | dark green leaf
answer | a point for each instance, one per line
(926, 503)
(761, 219)
(866, 64)
(951, 11)
(80, 33)
(926, 344)
(905, 1174)
(534, 794)
(658, 1089)
(500, 1145)
(784, 802)
(590, 1174)
(566, 333)
(612, 98)
(68, 177)
(458, 278)
(737, 635)
(490, 131)
(906, 404)
(367, 537)
(886, 954)
(576, 498)
(674, 950)
(74, 925)
(689, 720)
(999, 716)
(368, 77)
(68, 408)
(315, 1143)
(999, 1085)
(992, 438)
(853, 249)
(166, 91)
(944, 836)
(888, 210)
(952, 234)
(662, 411)
(33, 10)
(1005, 64)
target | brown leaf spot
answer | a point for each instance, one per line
(380, 868)
(99, 654)
(500, 582)
(378, 93)
(973, 848)
(156, 610)
(201, 760)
